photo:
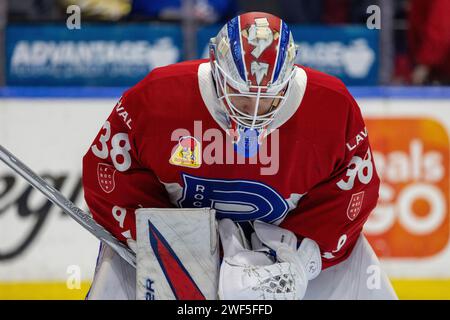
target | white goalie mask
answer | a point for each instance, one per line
(253, 56)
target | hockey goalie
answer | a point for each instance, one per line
(278, 151)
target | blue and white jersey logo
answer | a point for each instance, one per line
(239, 200)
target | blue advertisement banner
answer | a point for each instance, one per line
(350, 53)
(121, 55)
(95, 55)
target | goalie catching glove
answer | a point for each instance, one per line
(255, 273)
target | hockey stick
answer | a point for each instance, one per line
(53, 195)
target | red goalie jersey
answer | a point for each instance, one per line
(168, 143)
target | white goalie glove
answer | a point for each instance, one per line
(253, 273)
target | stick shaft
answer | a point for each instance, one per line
(56, 197)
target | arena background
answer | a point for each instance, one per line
(63, 68)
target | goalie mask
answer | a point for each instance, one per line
(253, 56)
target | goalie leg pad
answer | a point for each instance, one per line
(177, 254)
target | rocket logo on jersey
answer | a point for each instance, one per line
(187, 153)
(105, 175)
(239, 200)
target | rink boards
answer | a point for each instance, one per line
(44, 254)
